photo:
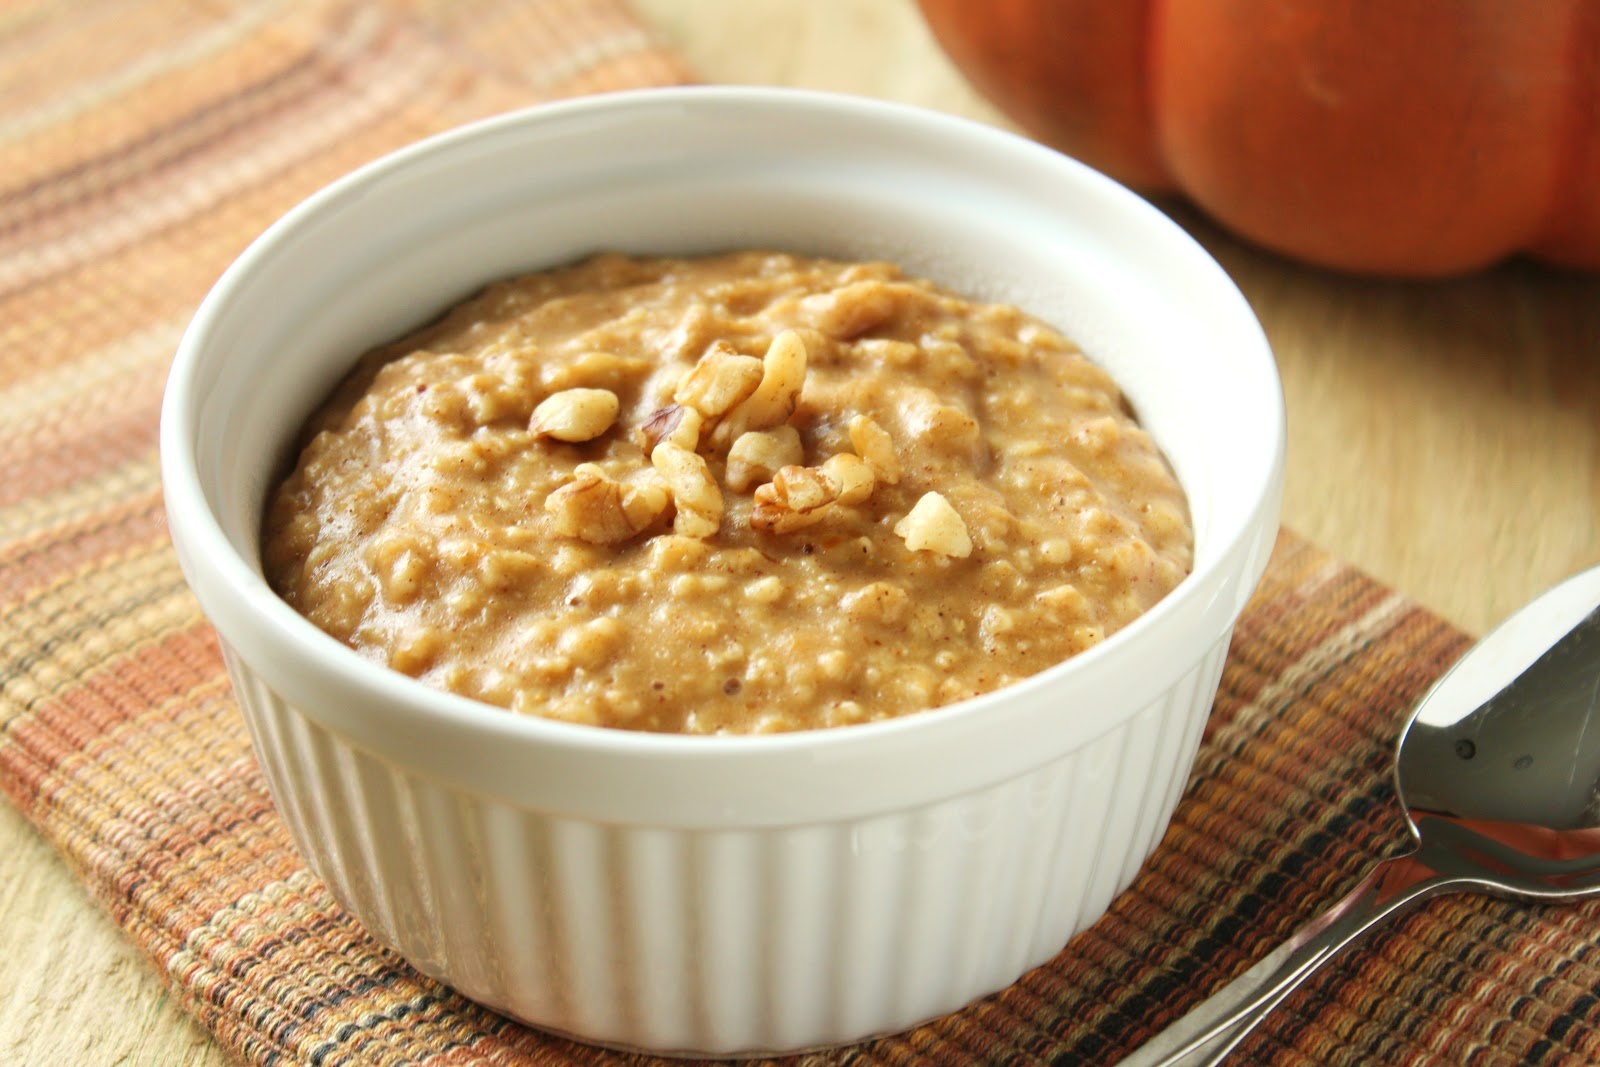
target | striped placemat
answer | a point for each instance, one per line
(141, 147)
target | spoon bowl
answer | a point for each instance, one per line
(1506, 734)
(1499, 768)
(1498, 773)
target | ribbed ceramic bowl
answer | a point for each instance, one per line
(724, 895)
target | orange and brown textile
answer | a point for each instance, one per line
(141, 147)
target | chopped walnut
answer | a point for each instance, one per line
(720, 380)
(873, 444)
(597, 508)
(783, 373)
(804, 488)
(932, 525)
(756, 456)
(674, 423)
(853, 476)
(798, 497)
(694, 491)
(575, 415)
(793, 500)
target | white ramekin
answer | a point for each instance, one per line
(744, 894)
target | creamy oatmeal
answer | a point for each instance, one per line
(735, 494)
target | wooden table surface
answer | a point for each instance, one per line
(1444, 436)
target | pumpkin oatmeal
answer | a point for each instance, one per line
(733, 494)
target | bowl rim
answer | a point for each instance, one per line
(236, 599)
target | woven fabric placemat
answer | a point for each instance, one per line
(141, 147)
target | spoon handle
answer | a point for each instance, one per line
(1211, 1030)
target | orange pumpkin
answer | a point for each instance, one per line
(1399, 138)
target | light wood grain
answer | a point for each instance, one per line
(74, 991)
(1444, 436)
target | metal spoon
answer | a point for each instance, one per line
(1498, 771)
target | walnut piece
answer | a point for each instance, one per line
(694, 491)
(674, 423)
(747, 403)
(873, 444)
(932, 525)
(721, 379)
(575, 415)
(793, 500)
(783, 373)
(853, 476)
(759, 454)
(798, 497)
(596, 508)
(803, 488)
